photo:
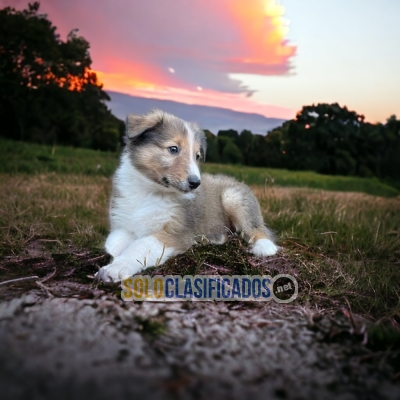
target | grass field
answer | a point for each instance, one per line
(308, 179)
(18, 157)
(29, 158)
(341, 245)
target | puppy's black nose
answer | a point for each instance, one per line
(194, 181)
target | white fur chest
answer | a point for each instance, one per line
(138, 205)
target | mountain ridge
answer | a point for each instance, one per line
(208, 117)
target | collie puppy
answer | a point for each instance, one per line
(161, 205)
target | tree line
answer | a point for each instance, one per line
(325, 138)
(48, 92)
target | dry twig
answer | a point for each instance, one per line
(19, 279)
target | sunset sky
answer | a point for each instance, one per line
(260, 56)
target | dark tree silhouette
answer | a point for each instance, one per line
(322, 138)
(48, 92)
(325, 138)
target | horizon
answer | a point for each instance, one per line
(267, 57)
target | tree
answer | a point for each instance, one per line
(212, 147)
(49, 93)
(390, 149)
(245, 142)
(231, 153)
(275, 155)
(324, 138)
(230, 133)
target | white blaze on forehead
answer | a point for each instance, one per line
(193, 168)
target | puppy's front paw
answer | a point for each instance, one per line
(117, 271)
(264, 247)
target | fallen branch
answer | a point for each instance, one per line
(45, 288)
(96, 258)
(19, 279)
(49, 276)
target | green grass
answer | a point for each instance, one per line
(20, 157)
(30, 158)
(309, 179)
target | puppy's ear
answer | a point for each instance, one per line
(201, 136)
(137, 125)
(203, 147)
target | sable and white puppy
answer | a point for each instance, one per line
(161, 205)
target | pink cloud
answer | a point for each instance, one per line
(135, 44)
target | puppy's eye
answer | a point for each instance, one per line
(197, 156)
(173, 149)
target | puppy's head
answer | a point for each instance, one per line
(166, 149)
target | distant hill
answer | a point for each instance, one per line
(211, 118)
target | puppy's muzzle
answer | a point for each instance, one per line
(194, 182)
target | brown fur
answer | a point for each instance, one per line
(150, 136)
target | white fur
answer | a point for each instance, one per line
(144, 206)
(189, 196)
(193, 167)
(263, 248)
(118, 241)
(142, 253)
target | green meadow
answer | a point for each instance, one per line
(340, 236)
(307, 179)
(28, 158)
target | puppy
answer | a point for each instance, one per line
(161, 205)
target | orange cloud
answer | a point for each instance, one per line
(263, 32)
(252, 37)
(181, 50)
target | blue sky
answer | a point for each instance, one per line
(347, 52)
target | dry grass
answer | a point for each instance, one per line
(347, 243)
(55, 209)
(338, 245)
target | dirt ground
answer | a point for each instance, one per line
(61, 337)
